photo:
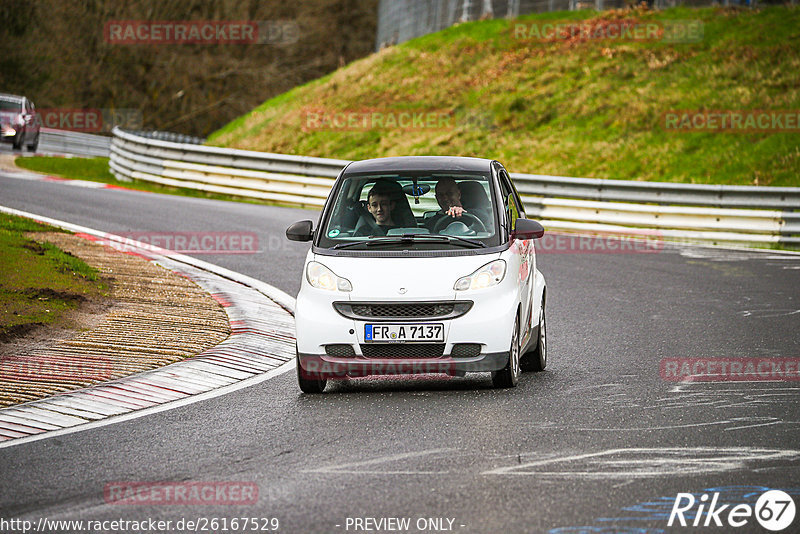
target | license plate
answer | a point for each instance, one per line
(401, 333)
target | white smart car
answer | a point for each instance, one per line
(420, 265)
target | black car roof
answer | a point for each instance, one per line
(420, 163)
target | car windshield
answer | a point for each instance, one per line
(410, 211)
(10, 105)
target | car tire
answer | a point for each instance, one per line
(536, 359)
(33, 146)
(309, 385)
(17, 144)
(508, 376)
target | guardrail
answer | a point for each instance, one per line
(76, 143)
(167, 136)
(677, 211)
(298, 180)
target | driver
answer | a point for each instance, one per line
(380, 205)
(448, 195)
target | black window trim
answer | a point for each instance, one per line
(504, 177)
(336, 190)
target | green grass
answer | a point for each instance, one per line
(96, 170)
(587, 108)
(93, 169)
(40, 281)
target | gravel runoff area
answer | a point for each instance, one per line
(156, 317)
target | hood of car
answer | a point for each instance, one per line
(404, 279)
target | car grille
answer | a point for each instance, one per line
(403, 310)
(340, 350)
(403, 350)
(466, 350)
(381, 311)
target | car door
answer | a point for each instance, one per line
(522, 252)
(27, 116)
(36, 122)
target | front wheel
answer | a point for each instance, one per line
(18, 140)
(509, 375)
(536, 360)
(309, 384)
(33, 146)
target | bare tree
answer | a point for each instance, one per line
(55, 52)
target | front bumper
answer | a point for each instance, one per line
(477, 324)
(321, 366)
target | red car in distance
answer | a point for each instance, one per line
(19, 122)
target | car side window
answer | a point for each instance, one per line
(514, 192)
(510, 202)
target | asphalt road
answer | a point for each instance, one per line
(600, 442)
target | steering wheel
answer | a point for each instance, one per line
(449, 219)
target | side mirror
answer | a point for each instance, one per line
(527, 229)
(300, 231)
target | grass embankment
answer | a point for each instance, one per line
(40, 281)
(93, 169)
(570, 107)
(96, 170)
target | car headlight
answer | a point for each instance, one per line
(321, 277)
(489, 275)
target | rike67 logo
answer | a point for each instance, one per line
(774, 510)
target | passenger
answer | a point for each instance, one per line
(448, 195)
(380, 205)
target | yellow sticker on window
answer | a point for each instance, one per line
(512, 207)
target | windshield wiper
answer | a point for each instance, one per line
(347, 245)
(410, 238)
(373, 241)
(450, 238)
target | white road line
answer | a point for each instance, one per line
(766, 314)
(288, 366)
(648, 462)
(179, 384)
(757, 425)
(352, 467)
